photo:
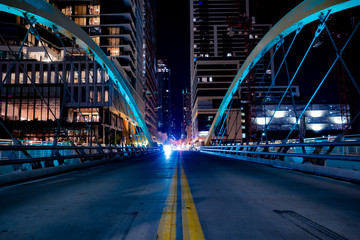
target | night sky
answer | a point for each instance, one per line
(173, 41)
(173, 44)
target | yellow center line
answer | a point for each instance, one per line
(167, 225)
(190, 220)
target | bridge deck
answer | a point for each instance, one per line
(233, 200)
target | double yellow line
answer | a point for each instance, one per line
(190, 220)
(167, 225)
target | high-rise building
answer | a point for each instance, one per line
(222, 35)
(186, 123)
(120, 30)
(149, 70)
(117, 28)
(164, 98)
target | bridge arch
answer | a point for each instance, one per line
(305, 13)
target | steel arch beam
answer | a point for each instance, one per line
(305, 13)
(50, 16)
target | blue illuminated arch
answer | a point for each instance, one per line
(305, 13)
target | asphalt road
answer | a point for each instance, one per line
(233, 200)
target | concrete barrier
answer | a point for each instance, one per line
(345, 174)
(17, 177)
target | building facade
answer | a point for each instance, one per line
(149, 71)
(186, 123)
(164, 107)
(222, 34)
(49, 86)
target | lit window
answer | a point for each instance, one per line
(37, 77)
(106, 96)
(228, 54)
(80, 9)
(96, 40)
(94, 20)
(52, 77)
(113, 51)
(113, 41)
(67, 10)
(106, 77)
(99, 77)
(60, 76)
(3, 76)
(12, 78)
(99, 94)
(31, 39)
(83, 76)
(80, 21)
(91, 95)
(21, 78)
(28, 78)
(94, 9)
(76, 77)
(114, 30)
(45, 76)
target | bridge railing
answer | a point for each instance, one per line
(345, 154)
(29, 157)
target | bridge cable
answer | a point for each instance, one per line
(301, 137)
(317, 33)
(224, 121)
(343, 61)
(262, 83)
(323, 80)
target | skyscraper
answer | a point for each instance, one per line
(149, 70)
(164, 107)
(222, 35)
(186, 123)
